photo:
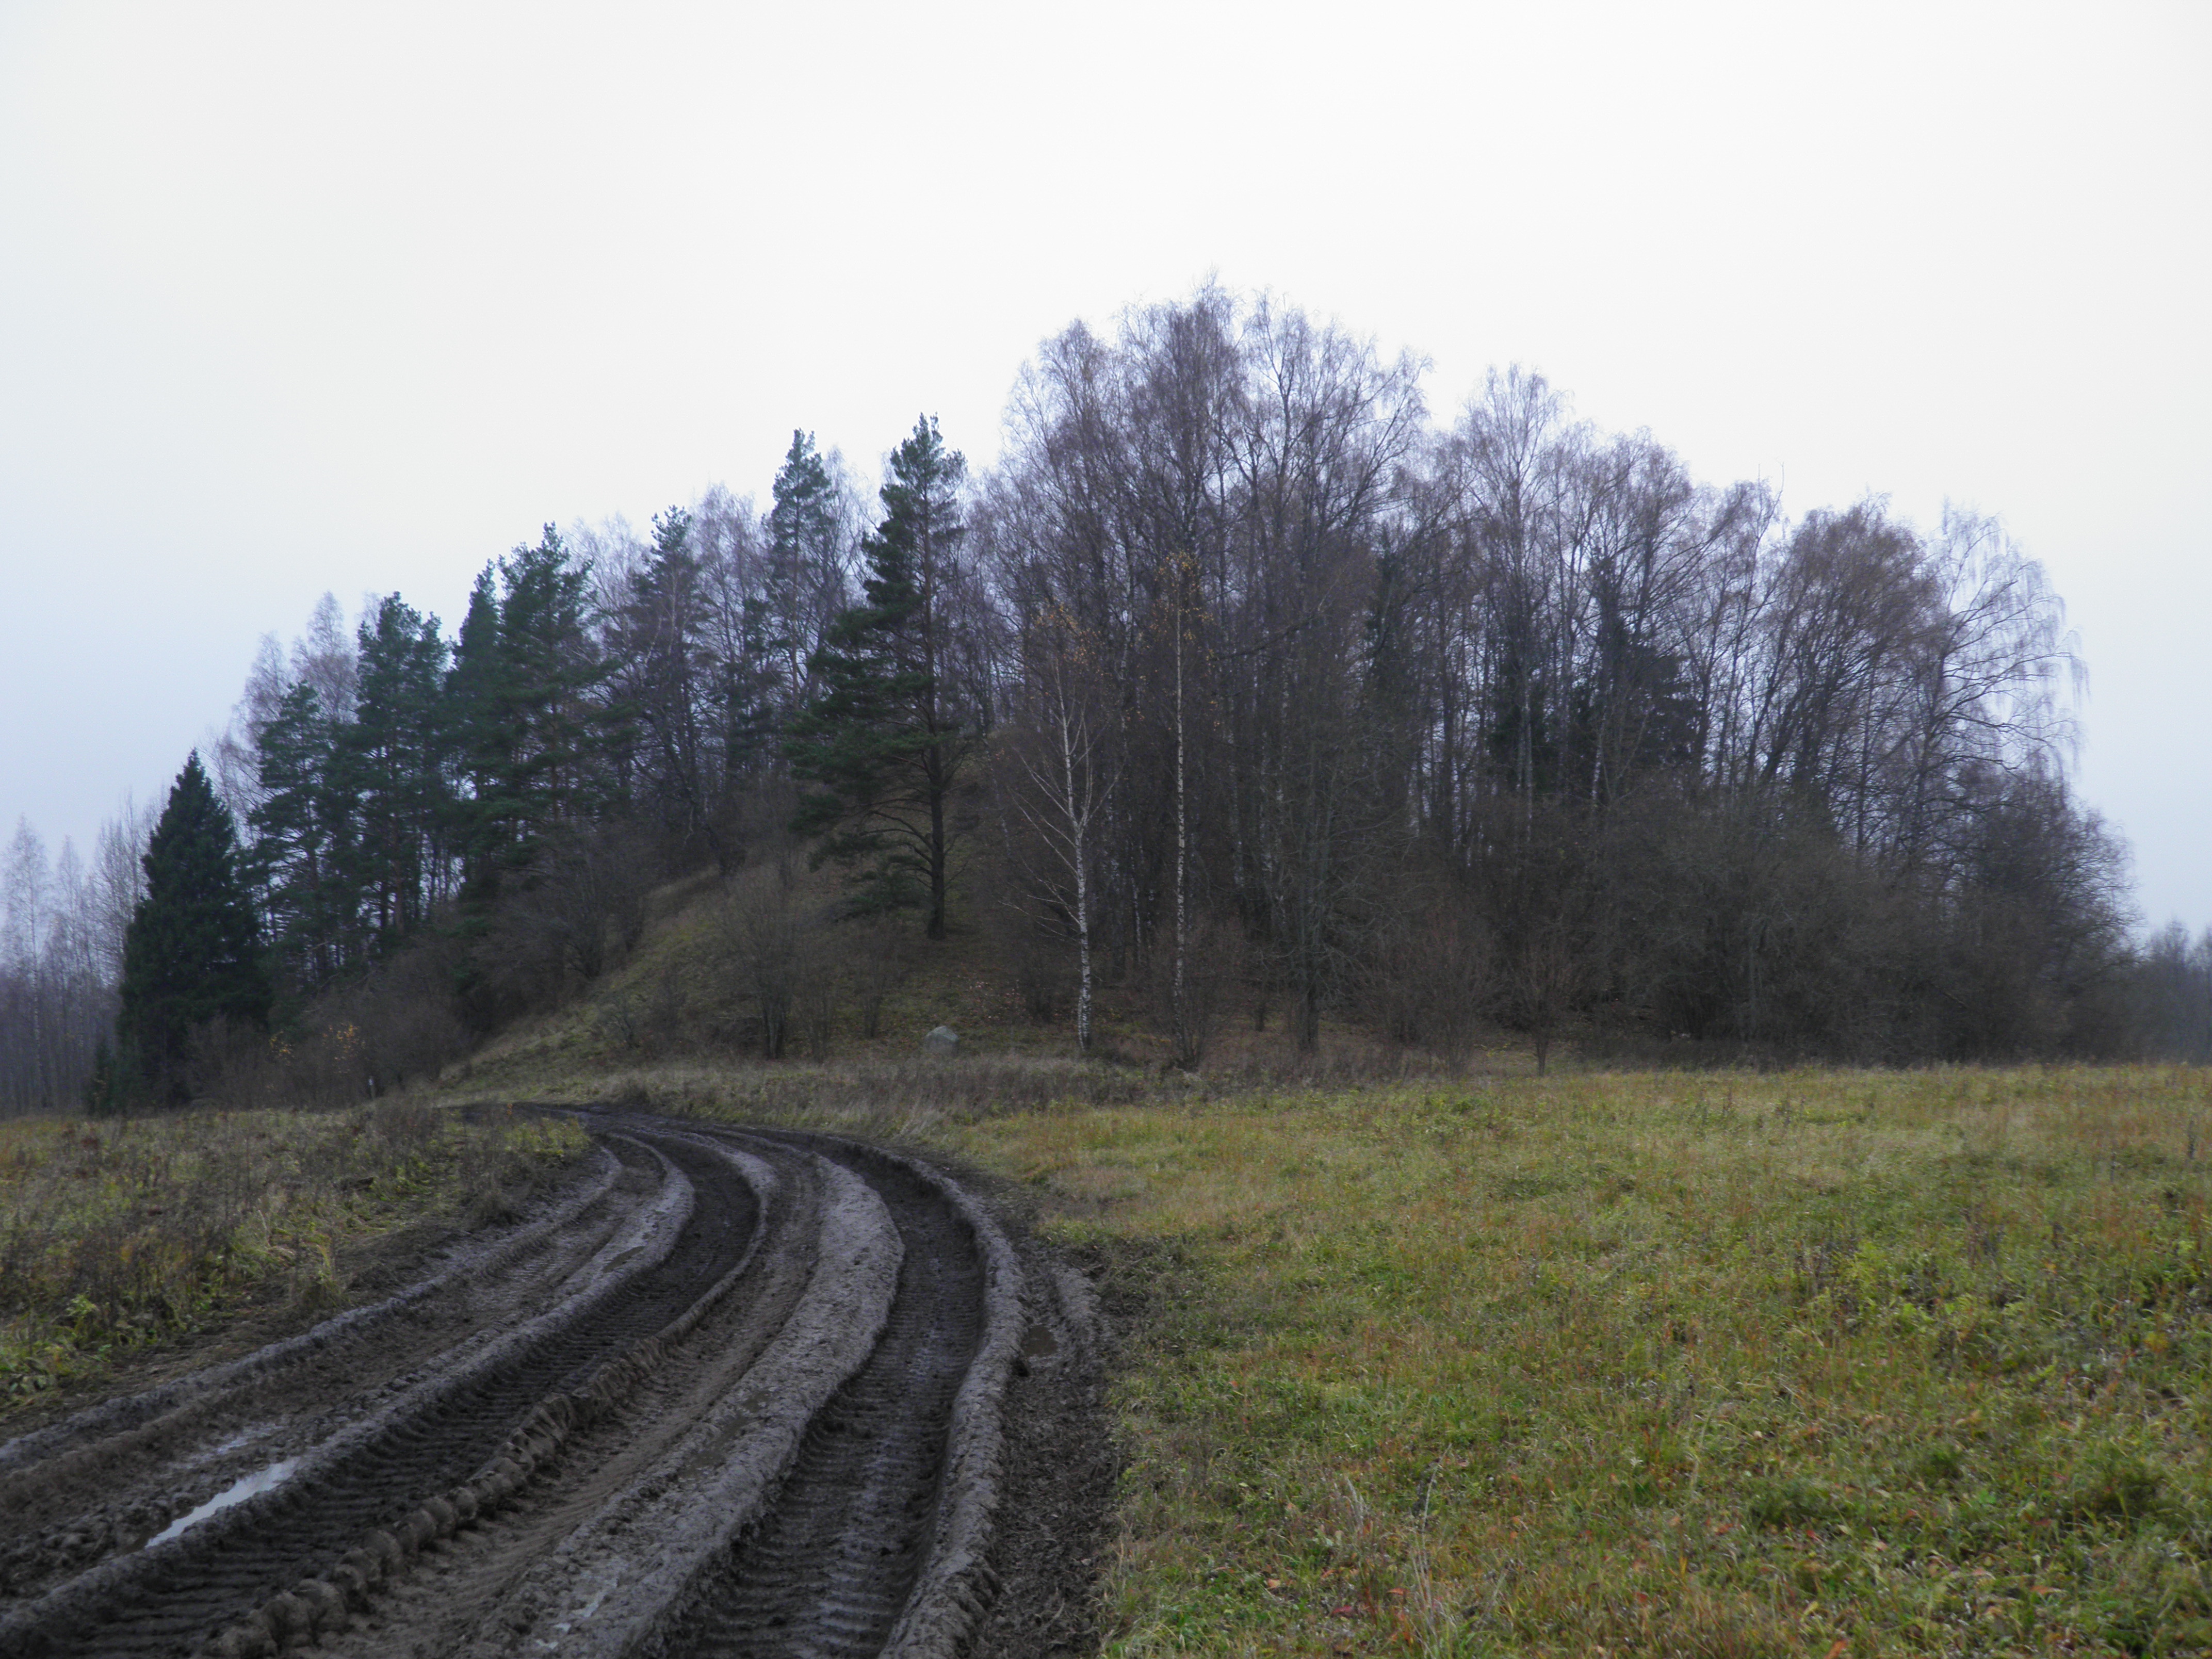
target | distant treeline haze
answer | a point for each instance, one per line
(1238, 674)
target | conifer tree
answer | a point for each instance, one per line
(747, 693)
(883, 742)
(525, 714)
(193, 953)
(663, 685)
(301, 840)
(806, 585)
(547, 699)
(483, 745)
(394, 759)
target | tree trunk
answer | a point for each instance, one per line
(936, 860)
(1079, 823)
(1182, 853)
(1082, 955)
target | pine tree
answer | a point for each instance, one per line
(664, 686)
(884, 740)
(478, 812)
(527, 715)
(302, 836)
(805, 584)
(193, 953)
(749, 697)
(393, 760)
(548, 698)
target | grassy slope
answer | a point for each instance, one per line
(680, 995)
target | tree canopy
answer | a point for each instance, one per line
(1238, 676)
(881, 746)
(193, 953)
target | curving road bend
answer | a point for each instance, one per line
(734, 1392)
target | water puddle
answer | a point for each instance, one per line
(245, 1436)
(1039, 1343)
(237, 1492)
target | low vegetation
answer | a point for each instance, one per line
(1823, 1362)
(1237, 679)
(115, 1235)
(1697, 1363)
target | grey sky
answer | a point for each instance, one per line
(355, 298)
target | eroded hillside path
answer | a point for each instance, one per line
(731, 1392)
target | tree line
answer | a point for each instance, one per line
(1243, 680)
(1513, 719)
(62, 926)
(612, 710)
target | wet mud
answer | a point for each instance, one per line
(730, 1392)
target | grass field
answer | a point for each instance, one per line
(1822, 1363)
(120, 1235)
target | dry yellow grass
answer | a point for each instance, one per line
(1819, 1362)
(120, 1234)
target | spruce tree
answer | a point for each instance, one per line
(105, 1090)
(883, 741)
(192, 953)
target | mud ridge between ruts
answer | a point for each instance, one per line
(765, 1416)
(877, 1543)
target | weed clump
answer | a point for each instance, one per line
(1791, 1503)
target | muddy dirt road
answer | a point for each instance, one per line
(731, 1392)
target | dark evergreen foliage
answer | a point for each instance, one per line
(803, 585)
(483, 746)
(303, 841)
(547, 701)
(1262, 673)
(663, 683)
(107, 1087)
(882, 743)
(192, 954)
(392, 773)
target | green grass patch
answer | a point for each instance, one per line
(118, 1234)
(1823, 1362)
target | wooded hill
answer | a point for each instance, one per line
(1240, 671)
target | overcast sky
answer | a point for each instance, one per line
(305, 297)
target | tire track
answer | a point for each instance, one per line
(168, 1600)
(218, 1424)
(831, 1568)
(764, 1418)
(104, 1424)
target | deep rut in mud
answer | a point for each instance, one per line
(830, 1567)
(734, 1393)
